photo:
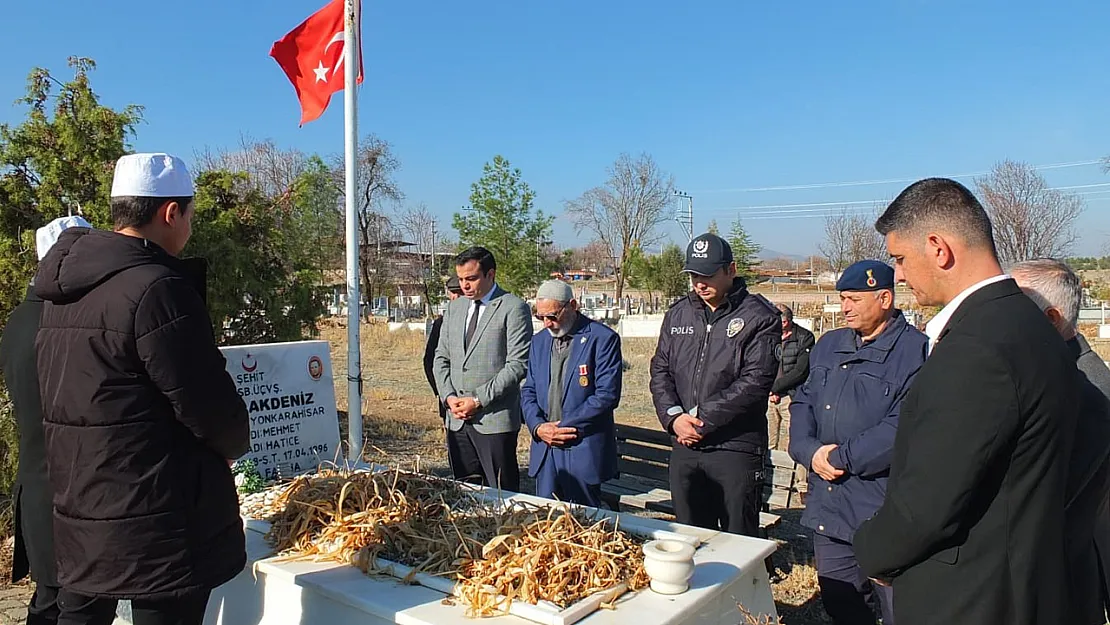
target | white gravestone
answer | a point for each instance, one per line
(290, 396)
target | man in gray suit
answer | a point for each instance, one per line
(1057, 290)
(480, 362)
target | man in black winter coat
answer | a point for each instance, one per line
(33, 523)
(793, 362)
(454, 292)
(710, 379)
(141, 418)
(793, 359)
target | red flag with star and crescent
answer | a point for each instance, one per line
(311, 55)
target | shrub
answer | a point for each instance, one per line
(9, 459)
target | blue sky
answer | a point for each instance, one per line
(725, 95)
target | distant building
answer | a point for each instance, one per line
(405, 268)
(578, 274)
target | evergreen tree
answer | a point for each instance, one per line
(504, 221)
(745, 250)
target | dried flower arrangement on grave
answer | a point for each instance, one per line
(496, 553)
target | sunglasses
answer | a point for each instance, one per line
(554, 317)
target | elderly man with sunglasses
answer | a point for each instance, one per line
(568, 398)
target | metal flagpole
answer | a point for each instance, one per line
(352, 63)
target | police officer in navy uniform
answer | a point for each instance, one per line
(711, 376)
(842, 426)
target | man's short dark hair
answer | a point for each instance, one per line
(136, 212)
(785, 311)
(484, 257)
(939, 203)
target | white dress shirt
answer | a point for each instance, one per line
(936, 325)
(481, 311)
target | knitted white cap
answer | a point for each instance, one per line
(47, 236)
(151, 175)
(556, 291)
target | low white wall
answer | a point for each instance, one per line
(639, 328)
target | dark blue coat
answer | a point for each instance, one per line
(592, 457)
(851, 399)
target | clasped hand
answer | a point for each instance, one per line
(821, 464)
(556, 436)
(462, 407)
(686, 429)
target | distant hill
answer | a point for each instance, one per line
(767, 254)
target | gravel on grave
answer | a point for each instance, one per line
(261, 505)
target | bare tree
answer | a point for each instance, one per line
(625, 212)
(378, 192)
(849, 238)
(421, 228)
(272, 170)
(1030, 220)
(867, 243)
(379, 240)
(292, 181)
(817, 264)
(836, 247)
(593, 256)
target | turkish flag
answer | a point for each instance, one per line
(311, 55)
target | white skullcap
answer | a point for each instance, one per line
(47, 236)
(151, 175)
(556, 291)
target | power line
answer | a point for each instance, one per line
(1082, 186)
(864, 183)
(821, 213)
(868, 203)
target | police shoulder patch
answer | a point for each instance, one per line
(735, 326)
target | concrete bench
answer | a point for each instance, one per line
(644, 457)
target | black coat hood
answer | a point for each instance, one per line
(84, 258)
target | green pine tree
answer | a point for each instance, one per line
(745, 250)
(58, 161)
(505, 222)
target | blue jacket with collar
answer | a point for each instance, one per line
(851, 399)
(588, 402)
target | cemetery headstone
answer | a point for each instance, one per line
(290, 396)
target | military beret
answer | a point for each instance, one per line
(866, 275)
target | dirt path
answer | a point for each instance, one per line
(13, 597)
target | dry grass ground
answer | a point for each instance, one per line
(1100, 346)
(402, 427)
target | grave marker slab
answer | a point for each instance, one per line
(290, 396)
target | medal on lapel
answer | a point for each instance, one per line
(583, 375)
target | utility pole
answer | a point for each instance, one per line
(433, 256)
(433, 272)
(685, 216)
